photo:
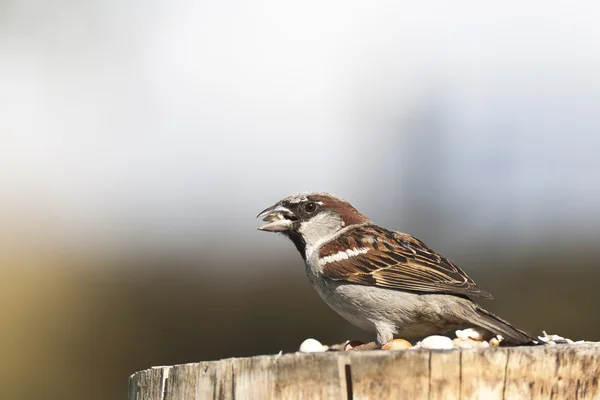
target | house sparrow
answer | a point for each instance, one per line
(382, 281)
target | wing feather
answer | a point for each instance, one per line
(395, 260)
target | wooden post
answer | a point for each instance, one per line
(538, 372)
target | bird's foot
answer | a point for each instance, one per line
(359, 346)
(350, 345)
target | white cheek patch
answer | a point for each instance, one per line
(320, 227)
(343, 255)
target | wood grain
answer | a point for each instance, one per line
(538, 372)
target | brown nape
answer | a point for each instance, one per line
(349, 214)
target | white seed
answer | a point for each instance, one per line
(437, 342)
(554, 339)
(469, 333)
(312, 346)
(470, 344)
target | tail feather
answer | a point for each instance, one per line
(496, 325)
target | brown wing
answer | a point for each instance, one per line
(393, 260)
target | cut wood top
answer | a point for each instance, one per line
(537, 372)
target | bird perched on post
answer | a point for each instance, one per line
(382, 281)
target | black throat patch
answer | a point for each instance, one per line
(298, 242)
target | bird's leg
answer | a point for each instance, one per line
(384, 333)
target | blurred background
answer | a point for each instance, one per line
(140, 139)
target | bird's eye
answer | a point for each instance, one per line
(310, 207)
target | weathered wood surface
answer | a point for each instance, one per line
(541, 372)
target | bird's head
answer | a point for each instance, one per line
(309, 218)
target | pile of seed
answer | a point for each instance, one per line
(465, 339)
